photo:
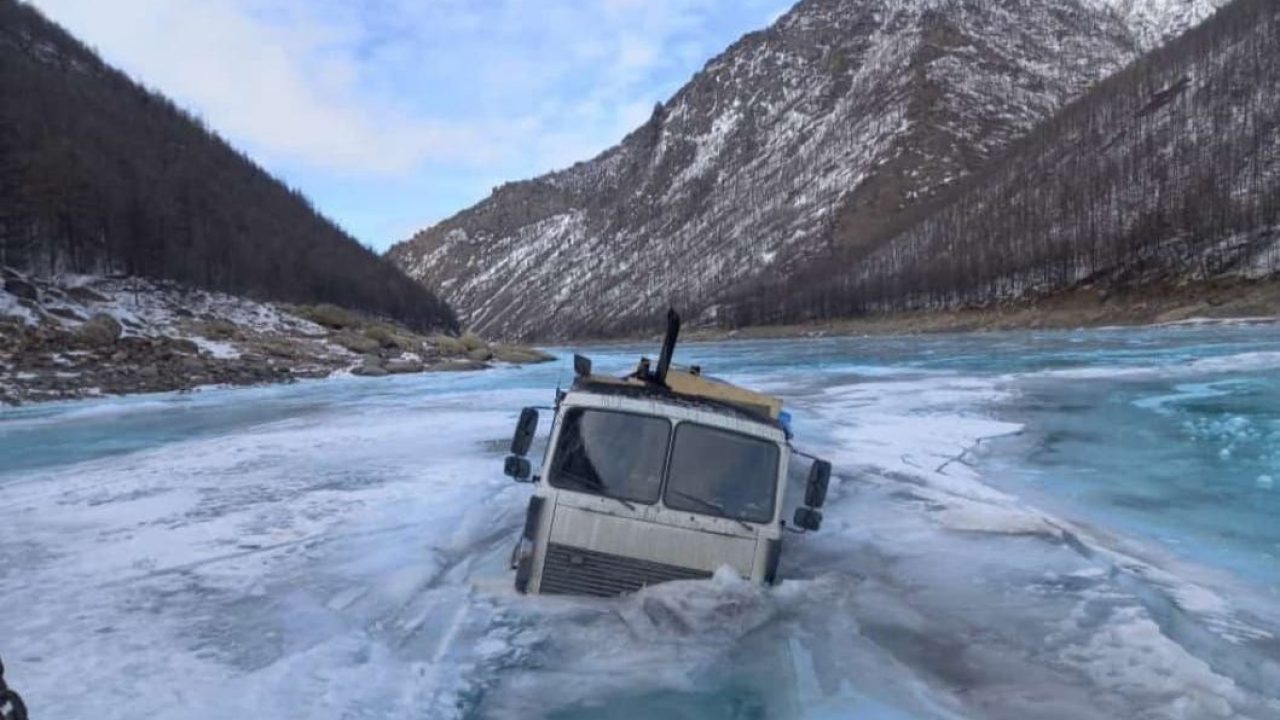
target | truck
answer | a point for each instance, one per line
(663, 474)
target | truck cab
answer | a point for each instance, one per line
(657, 476)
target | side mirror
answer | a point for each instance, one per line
(815, 492)
(525, 430)
(11, 706)
(581, 365)
(517, 467)
(807, 519)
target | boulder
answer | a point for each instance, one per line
(65, 312)
(445, 345)
(401, 366)
(137, 346)
(185, 346)
(279, 347)
(520, 355)
(22, 289)
(101, 329)
(85, 295)
(330, 316)
(356, 343)
(457, 365)
(388, 337)
(220, 329)
(372, 367)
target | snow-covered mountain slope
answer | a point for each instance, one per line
(1166, 172)
(1154, 21)
(844, 119)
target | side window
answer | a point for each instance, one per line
(611, 453)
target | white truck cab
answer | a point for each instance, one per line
(661, 475)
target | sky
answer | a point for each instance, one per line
(394, 114)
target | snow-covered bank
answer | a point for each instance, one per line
(80, 336)
(338, 548)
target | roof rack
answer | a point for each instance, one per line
(689, 383)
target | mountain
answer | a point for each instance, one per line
(840, 125)
(1165, 173)
(100, 176)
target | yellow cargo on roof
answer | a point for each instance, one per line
(684, 382)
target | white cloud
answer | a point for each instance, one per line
(333, 86)
(327, 93)
(262, 84)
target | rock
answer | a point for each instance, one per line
(22, 289)
(445, 345)
(372, 367)
(384, 335)
(279, 347)
(64, 312)
(185, 346)
(480, 354)
(330, 316)
(220, 329)
(86, 295)
(401, 366)
(520, 355)
(456, 365)
(148, 372)
(356, 343)
(137, 346)
(101, 329)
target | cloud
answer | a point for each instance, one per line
(251, 81)
(415, 91)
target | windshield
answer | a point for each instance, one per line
(609, 453)
(718, 472)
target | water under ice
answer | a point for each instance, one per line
(1050, 525)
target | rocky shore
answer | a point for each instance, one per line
(87, 336)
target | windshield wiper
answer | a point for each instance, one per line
(717, 507)
(596, 487)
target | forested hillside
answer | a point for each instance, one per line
(100, 176)
(1165, 173)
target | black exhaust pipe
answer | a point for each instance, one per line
(668, 347)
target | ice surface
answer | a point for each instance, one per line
(1020, 525)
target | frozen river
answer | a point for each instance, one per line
(1050, 525)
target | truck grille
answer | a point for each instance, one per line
(574, 571)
